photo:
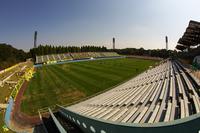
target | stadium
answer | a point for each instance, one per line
(132, 93)
(100, 89)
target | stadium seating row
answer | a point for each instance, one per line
(161, 94)
(53, 57)
(71, 56)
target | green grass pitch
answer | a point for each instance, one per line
(66, 83)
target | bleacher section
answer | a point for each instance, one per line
(83, 55)
(72, 56)
(53, 57)
(164, 93)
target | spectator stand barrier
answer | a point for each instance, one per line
(8, 112)
(92, 125)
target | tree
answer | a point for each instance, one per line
(10, 56)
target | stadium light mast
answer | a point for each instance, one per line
(113, 43)
(166, 40)
(35, 39)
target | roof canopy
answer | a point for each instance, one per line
(180, 47)
(191, 36)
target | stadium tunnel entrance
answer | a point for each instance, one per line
(56, 123)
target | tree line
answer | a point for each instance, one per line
(162, 53)
(10, 56)
(49, 49)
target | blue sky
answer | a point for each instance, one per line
(134, 23)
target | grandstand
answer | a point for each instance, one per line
(53, 57)
(166, 96)
(72, 56)
(162, 94)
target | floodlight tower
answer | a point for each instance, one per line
(35, 39)
(113, 43)
(166, 40)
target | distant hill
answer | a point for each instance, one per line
(10, 56)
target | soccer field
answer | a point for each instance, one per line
(67, 83)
